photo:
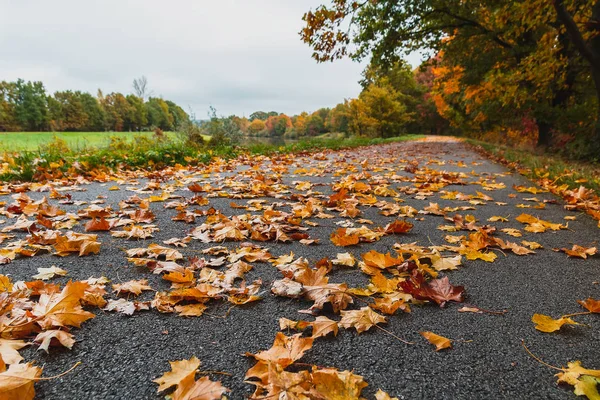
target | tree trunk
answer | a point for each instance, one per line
(590, 51)
(544, 134)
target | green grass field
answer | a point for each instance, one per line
(16, 141)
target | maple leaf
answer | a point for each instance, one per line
(446, 263)
(97, 224)
(587, 386)
(389, 305)
(591, 305)
(287, 288)
(332, 293)
(49, 273)
(342, 238)
(202, 389)
(191, 310)
(532, 245)
(64, 308)
(5, 284)
(321, 326)
(285, 350)
(126, 307)
(545, 323)
(379, 260)
(180, 371)
(362, 320)
(574, 371)
(16, 383)
(332, 384)
(9, 350)
(133, 286)
(381, 395)
(580, 251)
(398, 226)
(438, 290)
(344, 259)
(438, 341)
(46, 338)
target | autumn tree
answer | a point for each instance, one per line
(117, 110)
(67, 112)
(256, 126)
(516, 49)
(8, 121)
(276, 125)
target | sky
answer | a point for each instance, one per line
(239, 56)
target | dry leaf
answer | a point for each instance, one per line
(438, 341)
(545, 323)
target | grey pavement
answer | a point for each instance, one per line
(120, 354)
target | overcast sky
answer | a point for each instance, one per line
(237, 55)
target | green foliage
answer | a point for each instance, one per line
(223, 131)
(24, 106)
(30, 105)
(263, 116)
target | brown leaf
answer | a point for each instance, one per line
(591, 305)
(438, 290)
(54, 337)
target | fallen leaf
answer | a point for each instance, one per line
(438, 341)
(362, 320)
(16, 383)
(49, 273)
(545, 323)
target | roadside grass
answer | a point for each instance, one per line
(319, 143)
(77, 141)
(55, 159)
(545, 166)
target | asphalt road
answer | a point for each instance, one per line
(121, 355)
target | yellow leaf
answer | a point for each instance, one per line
(438, 341)
(545, 323)
(16, 383)
(362, 320)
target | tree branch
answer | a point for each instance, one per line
(575, 34)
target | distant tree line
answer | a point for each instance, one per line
(392, 102)
(25, 106)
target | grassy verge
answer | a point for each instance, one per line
(544, 166)
(317, 144)
(55, 160)
(77, 141)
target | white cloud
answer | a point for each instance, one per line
(240, 56)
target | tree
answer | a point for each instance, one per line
(256, 126)
(137, 114)
(262, 115)
(158, 114)
(177, 113)
(117, 110)
(338, 118)
(514, 59)
(276, 125)
(140, 88)
(67, 111)
(94, 112)
(584, 37)
(30, 105)
(8, 121)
